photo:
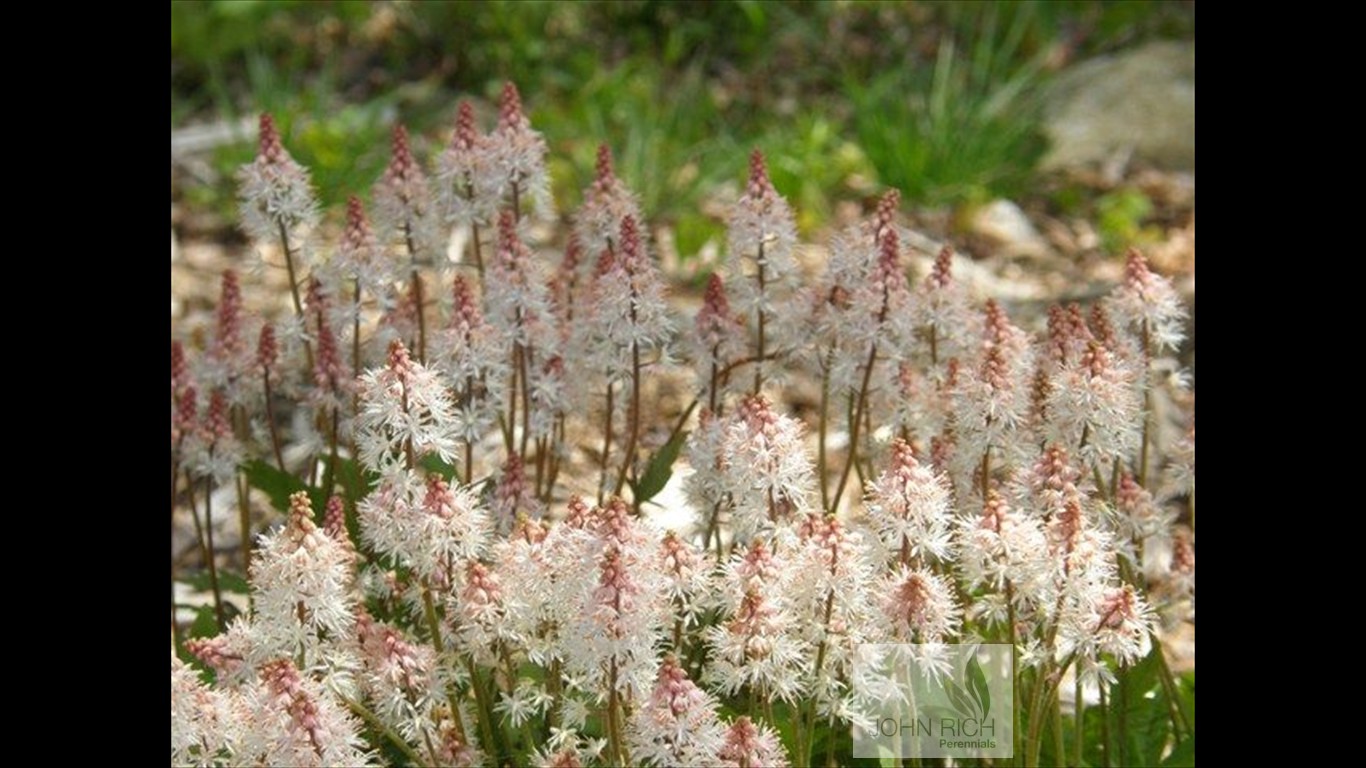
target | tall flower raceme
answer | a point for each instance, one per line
(943, 313)
(627, 328)
(468, 180)
(765, 470)
(302, 589)
(677, 724)
(761, 237)
(518, 153)
(717, 341)
(758, 647)
(1003, 552)
(1093, 407)
(992, 401)
(279, 206)
(1146, 304)
(606, 204)
(909, 507)
(519, 308)
(408, 217)
(229, 356)
(406, 413)
(295, 720)
(472, 355)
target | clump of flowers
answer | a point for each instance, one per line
(465, 566)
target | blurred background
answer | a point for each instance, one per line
(1057, 133)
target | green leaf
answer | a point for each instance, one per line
(977, 685)
(205, 623)
(659, 470)
(280, 485)
(433, 464)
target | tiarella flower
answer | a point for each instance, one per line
(919, 606)
(1147, 305)
(943, 314)
(606, 204)
(515, 291)
(763, 273)
(677, 724)
(746, 745)
(706, 486)
(202, 724)
(908, 505)
(404, 207)
(213, 452)
(686, 575)
(719, 337)
(1093, 404)
(275, 191)
(832, 584)
(406, 413)
(627, 314)
(468, 174)
(301, 586)
(519, 155)
(764, 466)
(295, 721)
(362, 260)
(1004, 551)
(1136, 518)
(513, 495)
(992, 397)
(471, 354)
(618, 604)
(398, 678)
(1119, 624)
(758, 644)
(431, 529)
(229, 357)
(330, 378)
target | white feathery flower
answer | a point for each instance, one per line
(294, 720)
(302, 586)
(1148, 305)
(764, 466)
(406, 413)
(677, 724)
(908, 505)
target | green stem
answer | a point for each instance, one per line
(854, 428)
(374, 722)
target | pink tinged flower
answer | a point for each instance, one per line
(1148, 305)
(1001, 546)
(606, 204)
(520, 153)
(203, 728)
(1124, 624)
(627, 310)
(303, 724)
(275, 190)
(361, 257)
(228, 356)
(760, 239)
(184, 421)
(908, 505)
(746, 745)
(1093, 404)
(216, 653)
(686, 574)
(920, 606)
(765, 467)
(406, 413)
(403, 202)
(398, 667)
(513, 496)
(301, 580)
(719, 331)
(267, 350)
(470, 182)
(943, 313)
(677, 724)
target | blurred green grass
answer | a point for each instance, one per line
(940, 99)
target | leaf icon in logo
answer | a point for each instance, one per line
(959, 698)
(977, 684)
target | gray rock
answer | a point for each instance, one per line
(1140, 101)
